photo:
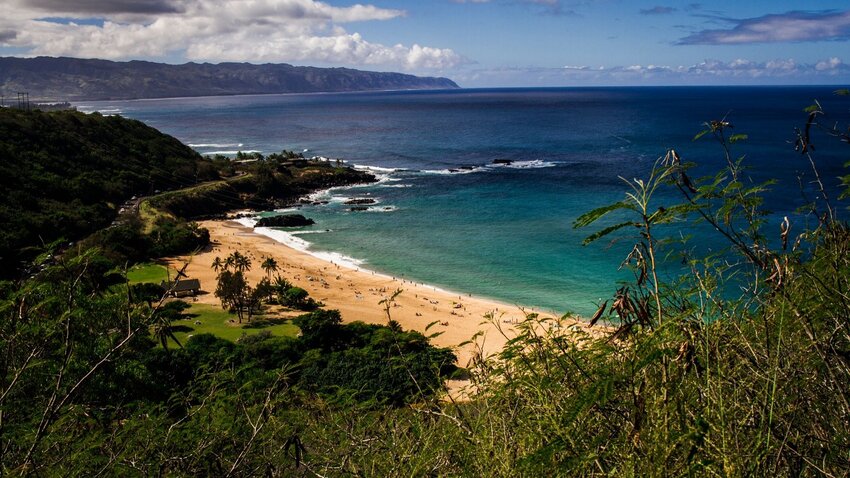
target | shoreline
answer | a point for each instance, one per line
(356, 292)
(290, 93)
(293, 241)
(382, 174)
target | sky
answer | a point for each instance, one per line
(477, 43)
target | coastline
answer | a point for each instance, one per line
(356, 292)
(294, 241)
(73, 101)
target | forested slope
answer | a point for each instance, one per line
(74, 79)
(65, 174)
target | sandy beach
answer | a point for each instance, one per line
(356, 293)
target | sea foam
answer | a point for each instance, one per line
(290, 240)
(403, 185)
(103, 111)
(450, 171)
(215, 145)
(378, 169)
(530, 164)
(231, 152)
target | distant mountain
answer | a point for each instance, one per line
(73, 79)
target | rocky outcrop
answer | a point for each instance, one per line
(285, 220)
(358, 201)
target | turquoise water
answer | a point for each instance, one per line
(501, 232)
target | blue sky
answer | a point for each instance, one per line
(476, 42)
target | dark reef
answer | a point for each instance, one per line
(285, 220)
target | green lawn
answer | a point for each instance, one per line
(214, 320)
(148, 272)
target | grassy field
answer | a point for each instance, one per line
(148, 272)
(214, 320)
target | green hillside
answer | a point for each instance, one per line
(65, 174)
(77, 78)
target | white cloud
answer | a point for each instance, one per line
(221, 30)
(781, 65)
(796, 26)
(829, 65)
(737, 71)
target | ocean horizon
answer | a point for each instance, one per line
(445, 214)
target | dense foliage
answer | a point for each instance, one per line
(129, 242)
(65, 174)
(82, 373)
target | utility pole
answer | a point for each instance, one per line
(24, 100)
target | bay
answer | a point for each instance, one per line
(503, 231)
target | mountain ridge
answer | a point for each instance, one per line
(75, 79)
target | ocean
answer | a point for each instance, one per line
(446, 215)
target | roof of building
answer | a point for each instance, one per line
(182, 285)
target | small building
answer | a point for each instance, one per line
(182, 287)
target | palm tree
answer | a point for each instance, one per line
(241, 262)
(238, 261)
(269, 265)
(218, 264)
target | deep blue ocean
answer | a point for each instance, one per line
(503, 231)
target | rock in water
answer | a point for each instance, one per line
(285, 220)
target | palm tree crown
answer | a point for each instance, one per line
(269, 265)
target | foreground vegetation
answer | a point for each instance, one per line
(738, 367)
(86, 388)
